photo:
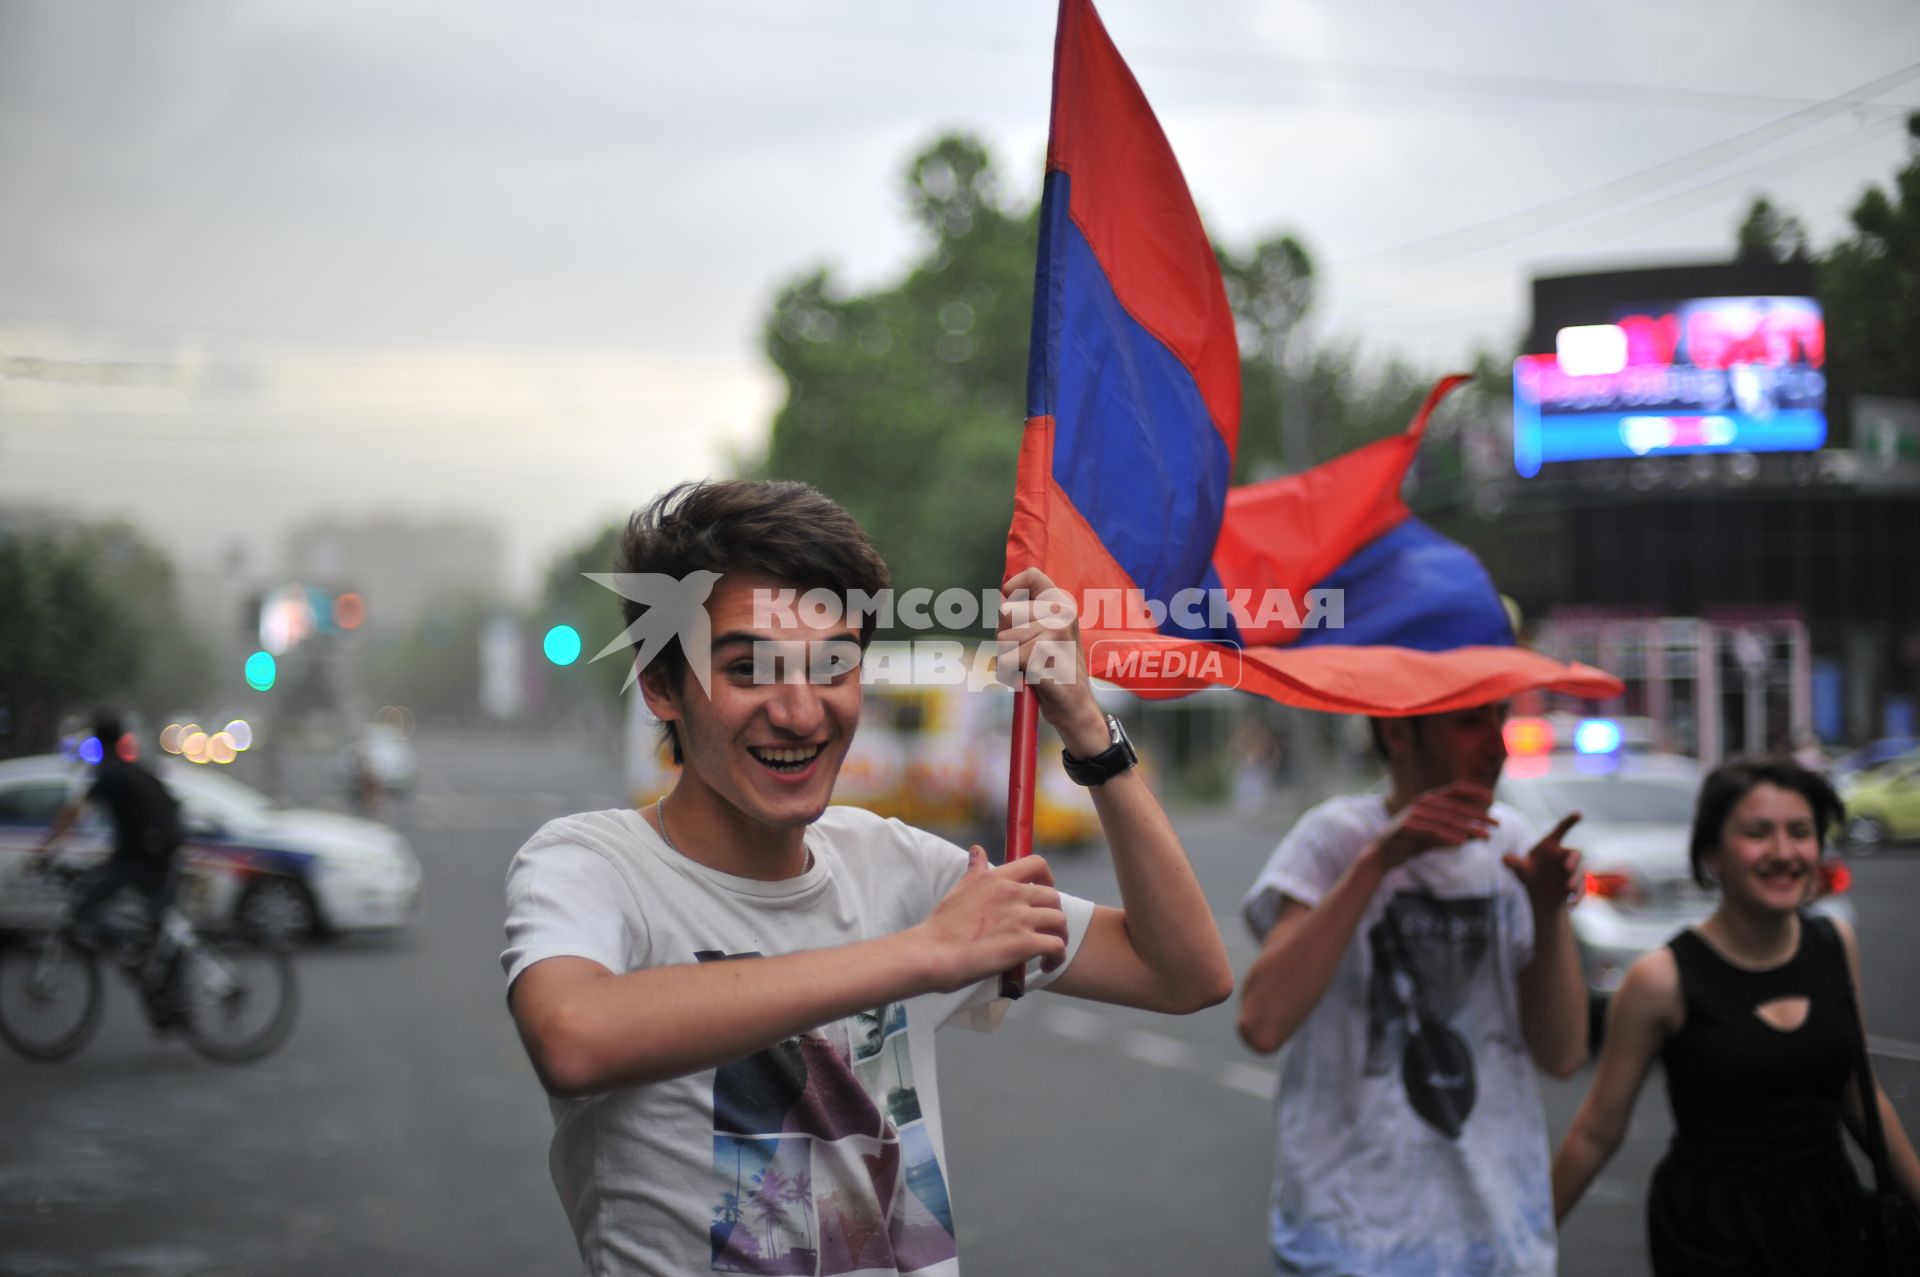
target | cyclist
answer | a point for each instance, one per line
(147, 833)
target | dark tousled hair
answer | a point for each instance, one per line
(787, 530)
(1732, 781)
(108, 728)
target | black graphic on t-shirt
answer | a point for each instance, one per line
(1426, 953)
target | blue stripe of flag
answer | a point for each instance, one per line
(1412, 587)
(1134, 447)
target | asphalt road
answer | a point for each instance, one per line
(400, 1131)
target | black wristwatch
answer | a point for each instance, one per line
(1106, 764)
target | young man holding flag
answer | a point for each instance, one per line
(1417, 956)
(731, 995)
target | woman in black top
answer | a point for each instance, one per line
(1748, 1013)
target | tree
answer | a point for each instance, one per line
(1270, 290)
(905, 404)
(769, 1203)
(1870, 282)
(728, 1211)
(1770, 235)
(799, 1195)
(91, 617)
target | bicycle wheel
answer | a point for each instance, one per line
(238, 998)
(49, 995)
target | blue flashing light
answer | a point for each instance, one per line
(1596, 736)
(92, 751)
(562, 645)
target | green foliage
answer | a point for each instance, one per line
(1345, 402)
(1769, 234)
(1270, 290)
(905, 404)
(91, 618)
(1870, 282)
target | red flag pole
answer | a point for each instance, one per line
(1026, 747)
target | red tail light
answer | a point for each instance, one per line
(1835, 877)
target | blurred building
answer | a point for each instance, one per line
(217, 593)
(403, 569)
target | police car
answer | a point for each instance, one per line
(246, 862)
(1636, 810)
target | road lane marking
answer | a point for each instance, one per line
(1158, 1049)
(1893, 1048)
(1249, 1079)
(1075, 1023)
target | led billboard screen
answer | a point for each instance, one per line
(1708, 374)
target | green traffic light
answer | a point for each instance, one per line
(261, 671)
(562, 645)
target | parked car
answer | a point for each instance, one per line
(1873, 755)
(247, 862)
(1636, 818)
(1883, 805)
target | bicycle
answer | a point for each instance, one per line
(232, 996)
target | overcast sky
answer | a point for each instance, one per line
(273, 258)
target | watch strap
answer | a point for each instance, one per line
(1105, 765)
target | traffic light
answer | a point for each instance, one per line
(287, 615)
(261, 671)
(562, 645)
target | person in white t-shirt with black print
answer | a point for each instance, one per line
(1418, 964)
(731, 995)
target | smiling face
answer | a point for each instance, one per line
(1769, 851)
(763, 746)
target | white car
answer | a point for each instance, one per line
(1636, 818)
(246, 862)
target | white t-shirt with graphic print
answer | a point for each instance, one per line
(820, 1155)
(1410, 1136)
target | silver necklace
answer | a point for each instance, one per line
(660, 818)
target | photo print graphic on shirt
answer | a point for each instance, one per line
(1426, 954)
(830, 1120)
(883, 1061)
(764, 1222)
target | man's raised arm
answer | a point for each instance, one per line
(588, 1030)
(1161, 950)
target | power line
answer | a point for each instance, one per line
(1484, 83)
(1507, 226)
(1678, 204)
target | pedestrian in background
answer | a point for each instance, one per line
(1416, 953)
(1753, 1014)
